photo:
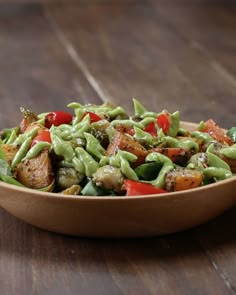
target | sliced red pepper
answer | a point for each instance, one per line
(57, 118)
(135, 188)
(164, 122)
(93, 117)
(151, 128)
(216, 132)
(43, 136)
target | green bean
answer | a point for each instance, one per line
(10, 180)
(74, 105)
(93, 146)
(89, 163)
(215, 161)
(21, 152)
(173, 142)
(22, 137)
(141, 135)
(12, 137)
(205, 137)
(229, 152)
(36, 149)
(81, 127)
(167, 165)
(78, 165)
(61, 147)
(121, 160)
(174, 124)
(139, 109)
(118, 111)
(2, 154)
(218, 173)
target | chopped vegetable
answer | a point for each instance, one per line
(101, 150)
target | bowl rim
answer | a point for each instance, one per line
(59, 196)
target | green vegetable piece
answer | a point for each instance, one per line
(5, 169)
(61, 147)
(215, 161)
(83, 126)
(74, 105)
(229, 152)
(2, 154)
(89, 163)
(10, 180)
(36, 149)
(173, 142)
(139, 109)
(205, 137)
(148, 171)
(217, 173)
(121, 160)
(167, 165)
(141, 135)
(201, 126)
(231, 133)
(93, 146)
(78, 165)
(21, 152)
(12, 137)
(174, 124)
(23, 137)
(118, 111)
(91, 189)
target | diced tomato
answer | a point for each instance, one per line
(135, 188)
(57, 118)
(151, 128)
(163, 121)
(93, 117)
(43, 136)
(216, 132)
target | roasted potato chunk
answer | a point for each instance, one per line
(182, 179)
(36, 172)
(109, 177)
(9, 151)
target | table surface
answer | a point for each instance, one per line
(175, 55)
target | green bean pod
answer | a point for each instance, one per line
(21, 152)
(167, 165)
(36, 149)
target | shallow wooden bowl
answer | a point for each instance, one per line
(140, 216)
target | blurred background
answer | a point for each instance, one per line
(169, 54)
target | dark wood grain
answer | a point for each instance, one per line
(158, 52)
(161, 68)
(36, 72)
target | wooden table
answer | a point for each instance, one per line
(175, 55)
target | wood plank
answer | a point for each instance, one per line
(34, 261)
(36, 71)
(134, 52)
(208, 28)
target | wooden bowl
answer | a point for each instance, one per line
(139, 216)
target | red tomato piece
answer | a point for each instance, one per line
(151, 128)
(216, 132)
(57, 118)
(163, 121)
(93, 117)
(43, 136)
(135, 188)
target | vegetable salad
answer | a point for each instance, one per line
(94, 150)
